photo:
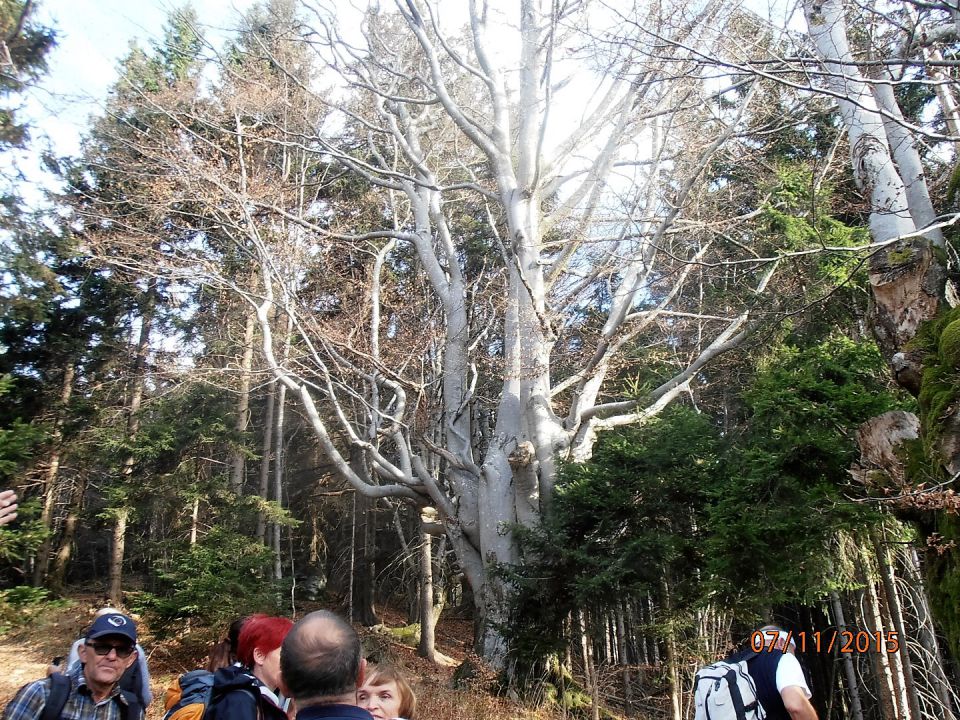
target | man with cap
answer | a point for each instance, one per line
(781, 686)
(89, 690)
(137, 677)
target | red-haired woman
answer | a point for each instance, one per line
(249, 690)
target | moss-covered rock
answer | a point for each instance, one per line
(950, 344)
(943, 572)
(405, 634)
(939, 398)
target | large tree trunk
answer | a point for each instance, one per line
(907, 279)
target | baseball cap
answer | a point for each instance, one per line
(113, 624)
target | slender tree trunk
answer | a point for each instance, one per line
(242, 421)
(266, 456)
(926, 633)
(194, 520)
(61, 561)
(589, 665)
(122, 516)
(52, 475)
(623, 657)
(673, 673)
(365, 571)
(119, 536)
(426, 648)
(280, 461)
(881, 660)
(853, 687)
(278, 467)
(353, 559)
(368, 514)
(910, 701)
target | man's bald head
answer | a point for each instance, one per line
(320, 659)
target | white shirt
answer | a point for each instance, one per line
(789, 673)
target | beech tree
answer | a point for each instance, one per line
(482, 225)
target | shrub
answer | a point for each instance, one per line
(223, 576)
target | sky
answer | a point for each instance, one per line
(93, 35)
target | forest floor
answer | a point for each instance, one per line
(26, 650)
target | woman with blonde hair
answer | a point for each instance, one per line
(386, 694)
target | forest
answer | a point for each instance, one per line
(617, 328)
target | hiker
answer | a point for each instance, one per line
(8, 507)
(322, 667)
(224, 653)
(90, 689)
(386, 694)
(249, 690)
(136, 679)
(781, 686)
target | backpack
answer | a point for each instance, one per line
(60, 685)
(724, 690)
(190, 696)
(132, 681)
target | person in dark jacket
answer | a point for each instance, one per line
(250, 690)
(323, 667)
(781, 686)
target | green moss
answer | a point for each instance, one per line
(943, 573)
(406, 634)
(950, 344)
(900, 257)
(939, 341)
(941, 255)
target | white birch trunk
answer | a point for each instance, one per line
(906, 280)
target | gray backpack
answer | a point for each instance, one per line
(724, 690)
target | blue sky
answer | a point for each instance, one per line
(93, 35)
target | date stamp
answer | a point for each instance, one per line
(842, 641)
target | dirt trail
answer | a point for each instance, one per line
(18, 665)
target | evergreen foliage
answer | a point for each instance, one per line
(25, 47)
(786, 492)
(748, 519)
(225, 575)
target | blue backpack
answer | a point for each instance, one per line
(189, 697)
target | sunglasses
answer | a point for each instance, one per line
(99, 648)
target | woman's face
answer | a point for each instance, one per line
(383, 700)
(267, 667)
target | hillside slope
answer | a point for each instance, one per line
(48, 632)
